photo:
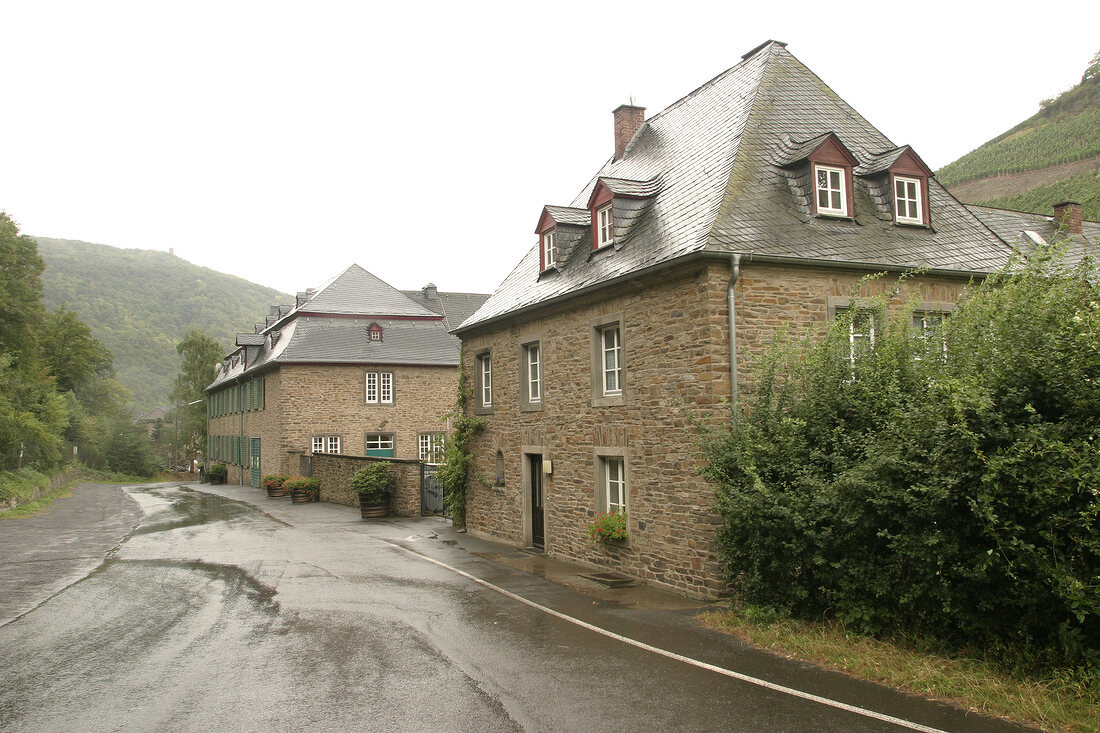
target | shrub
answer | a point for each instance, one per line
(916, 493)
(374, 482)
(218, 470)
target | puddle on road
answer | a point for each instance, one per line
(175, 507)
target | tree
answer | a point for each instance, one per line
(21, 270)
(71, 353)
(200, 353)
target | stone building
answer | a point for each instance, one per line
(354, 367)
(759, 200)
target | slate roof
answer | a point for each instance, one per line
(1016, 228)
(330, 326)
(454, 307)
(717, 155)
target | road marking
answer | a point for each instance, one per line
(680, 657)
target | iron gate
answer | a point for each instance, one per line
(431, 490)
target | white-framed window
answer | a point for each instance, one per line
(432, 446)
(485, 379)
(378, 388)
(605, 226)
(548, 241)
(614, 484)
(831, 195)
(326, 443)
(929, 326)
(908, 206)
(861, 333)
(611, 348)
(379, 442)
(534, 372)
(375, 333)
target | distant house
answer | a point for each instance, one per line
(354, 367)
(759, 200)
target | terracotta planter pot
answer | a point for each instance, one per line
(373, 510)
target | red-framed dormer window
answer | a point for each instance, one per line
(909, 177)
(831, 166)
(549, 240)
(375, 332)
(605, 226)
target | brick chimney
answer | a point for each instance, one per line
(628, 120)
(1068, 214)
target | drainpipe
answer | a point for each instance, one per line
(735, 273)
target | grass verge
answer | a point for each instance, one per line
(1060, 704)
(28, 492)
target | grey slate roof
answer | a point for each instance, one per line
(1014, 228)
(331, 327)
(569, 215)
(716, 155)
(454, 307)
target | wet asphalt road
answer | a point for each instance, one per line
(213, 614)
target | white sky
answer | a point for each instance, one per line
(282, 142)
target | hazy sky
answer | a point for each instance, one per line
(282, 142)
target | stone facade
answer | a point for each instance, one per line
(676, 360)
(307, 400)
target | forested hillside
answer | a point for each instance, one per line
(1050, 157)
(140, 303)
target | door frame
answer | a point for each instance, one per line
(540, 451)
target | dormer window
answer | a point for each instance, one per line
(908, 206)
(548, 242)
(375, 332)
(605, 227)
(832, 199)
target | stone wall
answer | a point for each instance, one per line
(335, 473)
(676, 359)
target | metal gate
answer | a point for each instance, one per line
(431, 490)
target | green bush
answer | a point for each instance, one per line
(17, 487)
(374, 482)
(218, 470)
(947, 488)
(274, 481)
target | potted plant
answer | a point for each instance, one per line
(302, 488)
(275, 484)
(609, 527)
(375, 484)
(217, 473)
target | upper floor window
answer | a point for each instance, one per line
(485, 381)
(375, 332)
(832, 198)
(548, 241)
(605, 227)
(534, 373)
(326, 443)
(612, 347)
(908, 207)
(379, 388)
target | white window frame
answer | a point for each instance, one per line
(929, 325)
(857, 334)
(432, 446)
(485, 382)
(326, 444)
(378, 441)
(533, 365)
(605, 226)
(614, 369)
(548, 241)
(614, 483)
(904, 202)
(840, 190)
(378, 388)
(375, 333)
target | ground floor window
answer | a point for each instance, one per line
(431, 447)
(611, 489)
(326, 443)
(380, 445)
